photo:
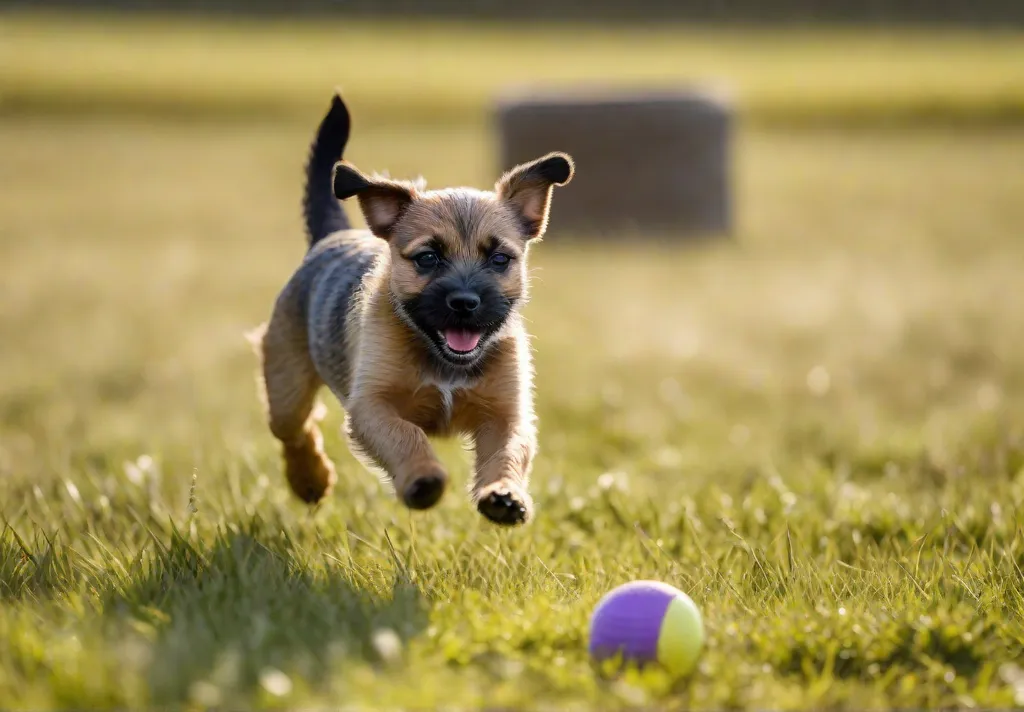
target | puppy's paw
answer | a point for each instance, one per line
(310, 474)
(425, 489)
(505, 503)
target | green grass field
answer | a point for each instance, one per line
(441, 73)
(817, 430)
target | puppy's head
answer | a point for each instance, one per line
(458, 256)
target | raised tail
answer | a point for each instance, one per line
(322, 211)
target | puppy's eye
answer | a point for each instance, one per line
(426, 260)
(499, 261)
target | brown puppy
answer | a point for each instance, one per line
(414, 326)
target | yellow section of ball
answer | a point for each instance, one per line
(681, 637)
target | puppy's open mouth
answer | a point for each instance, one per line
(462, 342)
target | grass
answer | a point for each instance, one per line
(816, 431)
(439, 72)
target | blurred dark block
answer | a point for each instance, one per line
(880, 12)
(649, 162)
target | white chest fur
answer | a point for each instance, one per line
(447, 401)
(447, 390)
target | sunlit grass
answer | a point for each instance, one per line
(815, 430)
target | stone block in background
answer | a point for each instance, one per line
(657, 162)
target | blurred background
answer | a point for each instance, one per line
(151, 180)
(874, 163)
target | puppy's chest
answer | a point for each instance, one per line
(442, 408)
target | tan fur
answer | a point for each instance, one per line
(290, 385)
(392, 386)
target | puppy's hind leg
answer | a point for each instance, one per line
(290, 384)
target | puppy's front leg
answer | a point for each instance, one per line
(400, 448)
(504, 456)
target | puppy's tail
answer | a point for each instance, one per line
(323, 213)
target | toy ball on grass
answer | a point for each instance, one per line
(644, 622)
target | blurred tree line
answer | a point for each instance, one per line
(992, 13)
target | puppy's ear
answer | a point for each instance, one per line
(382, 201)
(527, 190)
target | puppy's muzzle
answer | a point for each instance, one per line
(463, 302)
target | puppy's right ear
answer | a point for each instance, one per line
(348, 181)
(382, 201)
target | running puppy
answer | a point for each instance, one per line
(414, 325)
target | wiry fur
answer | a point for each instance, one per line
(320, 209)
(361, 316)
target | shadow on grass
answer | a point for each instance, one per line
(223, 615)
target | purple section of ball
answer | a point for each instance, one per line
(628, 621)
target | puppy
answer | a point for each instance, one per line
(413, 325)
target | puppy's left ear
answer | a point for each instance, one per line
(527, 190)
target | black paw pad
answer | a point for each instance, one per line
(503, 508)
(309, 494)
(424, 493)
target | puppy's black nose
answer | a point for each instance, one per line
(463, 301)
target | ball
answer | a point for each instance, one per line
(647, 622)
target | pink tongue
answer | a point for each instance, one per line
(459, 340)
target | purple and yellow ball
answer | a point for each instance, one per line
(647, 622)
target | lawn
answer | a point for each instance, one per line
(444, 72)
(815, 429)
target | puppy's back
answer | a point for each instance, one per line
(329, 280)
